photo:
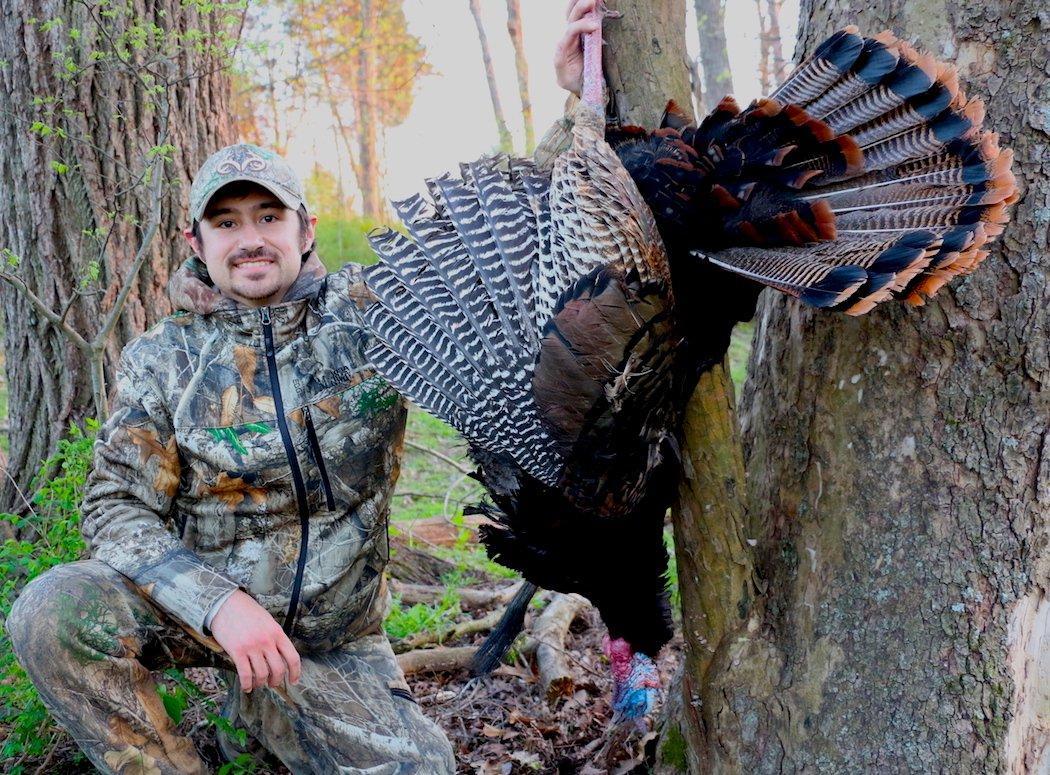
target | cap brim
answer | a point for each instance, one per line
(289, 201)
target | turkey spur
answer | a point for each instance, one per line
(559, 319)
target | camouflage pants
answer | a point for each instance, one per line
(88, 641)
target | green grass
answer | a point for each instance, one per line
(429, 485)
(739, 352)
(403, 622)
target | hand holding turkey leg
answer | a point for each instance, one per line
(568, 56)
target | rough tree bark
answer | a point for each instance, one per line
(714, 53)
(643, 59)
(506, 144)
(54, 219)
(521, 66)
(899, 478)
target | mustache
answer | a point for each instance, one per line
(248, 255)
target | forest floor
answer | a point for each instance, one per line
(498, 725)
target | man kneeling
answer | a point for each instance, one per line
(240, 490)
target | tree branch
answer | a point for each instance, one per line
(46, 311)
(443, 458)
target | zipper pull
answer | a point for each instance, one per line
(264, 314)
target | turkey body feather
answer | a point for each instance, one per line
(560, 320)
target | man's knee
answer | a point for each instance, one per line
(439, 755)
(69, 616)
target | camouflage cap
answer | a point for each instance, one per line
(246, 162)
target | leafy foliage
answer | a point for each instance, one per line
(343, 240)
(53, 537)
(438, 617)
(366, 51)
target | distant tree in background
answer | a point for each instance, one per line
(105, 114)
(506, 143)
(521, 66)
(363, 63)
(771, 65)
(341, 234)
(714, 54)
(269, 98)
(325, 194)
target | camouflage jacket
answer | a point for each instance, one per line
(250, 448)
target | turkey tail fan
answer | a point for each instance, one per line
(865, 177)
(489, 655)
(931, 192)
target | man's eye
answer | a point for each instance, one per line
(269, 218)
(225, 224)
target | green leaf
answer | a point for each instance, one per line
(10, 258)
(174, 701)
(59, 167)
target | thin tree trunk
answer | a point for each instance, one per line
(643, 59)
(776, 46)
(714, 561)
(765, 78)
(521, 66)
(367, 123)
(506, 144)
(899, 472)
(85, 207)
(714, 52)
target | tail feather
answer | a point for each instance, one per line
(796, 273)
(436, 236)
(465, 213)
(511, 224)
(834, 57)
(914, 192)
(452, 320)
(491, 652)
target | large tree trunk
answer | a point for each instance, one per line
(714, 53)
(506, 144)
(88, 216)
(521, 66)
(899, 473)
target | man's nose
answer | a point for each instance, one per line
(249, 238)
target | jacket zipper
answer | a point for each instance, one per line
(293, 462)
(315, 447)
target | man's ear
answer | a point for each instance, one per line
(311, 231)
(194, 243)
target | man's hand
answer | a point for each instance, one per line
(568, 56)
(255, 642)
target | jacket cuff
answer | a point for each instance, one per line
(185, 586)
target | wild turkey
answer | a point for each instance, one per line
(536, 311)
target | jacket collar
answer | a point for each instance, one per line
(286, 317)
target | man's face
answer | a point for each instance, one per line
(252, 244)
